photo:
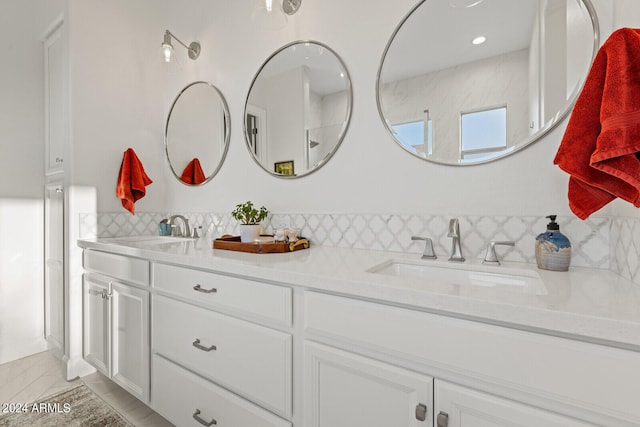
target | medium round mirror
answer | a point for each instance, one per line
(463, 82)
(298, 109)
(197, 133)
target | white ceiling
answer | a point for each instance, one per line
(325, 72)
(438, 35)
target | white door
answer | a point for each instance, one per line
(457, 406)
(54, 269)
(343, 389)
(97, 317)
(130, 339)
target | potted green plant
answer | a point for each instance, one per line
(249, 217)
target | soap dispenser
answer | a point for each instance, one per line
(553, 249)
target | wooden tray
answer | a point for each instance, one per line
(233, 243)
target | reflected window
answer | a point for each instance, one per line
(483, 132)
(416, 136)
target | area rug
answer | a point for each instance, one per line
(77, 407)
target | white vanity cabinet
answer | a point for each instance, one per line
(236, 347)
(346, 389)
(116, 319)
(211, 341)
(510, 377)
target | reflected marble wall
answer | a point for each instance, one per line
(462, 88)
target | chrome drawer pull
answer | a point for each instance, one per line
(443, 419)
(196, 416)
(421, 412)
(205, 291)
(199, 346)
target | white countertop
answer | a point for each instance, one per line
(588, 304)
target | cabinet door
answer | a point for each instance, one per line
(346, 390)
(54, 268)
(457, 406)
(130, 339)
(56, 116)
(97, 317)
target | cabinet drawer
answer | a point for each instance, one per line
(573, 372)
(133, 270)
(178, 395)
(251, 360)
(251, 298)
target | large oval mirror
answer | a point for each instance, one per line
(463, 82)
(197, 133)
(298, 109)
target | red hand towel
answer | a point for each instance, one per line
(132, 180)
(193, 173)
(602, 138)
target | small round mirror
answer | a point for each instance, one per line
(197, 133)
(298, 109)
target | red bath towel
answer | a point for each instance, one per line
(600, 145)
(132, 180)
(193, 173)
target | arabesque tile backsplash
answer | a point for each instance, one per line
(606, 243)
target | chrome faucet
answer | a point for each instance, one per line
(428, 252)
(454, 233)
(182, 231)
(491, 257)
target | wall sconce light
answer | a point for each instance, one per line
(168, 51)
(272, 14)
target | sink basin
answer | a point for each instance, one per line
(465, 275)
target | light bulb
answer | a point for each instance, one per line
(268, 15)
(167, 50)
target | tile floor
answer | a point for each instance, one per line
(41, 375)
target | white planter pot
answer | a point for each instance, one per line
(249, 233)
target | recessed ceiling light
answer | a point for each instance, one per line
(479, 40)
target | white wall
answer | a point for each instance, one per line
(21, 182)
(368, 173)
(118, 96)
(284, 103)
